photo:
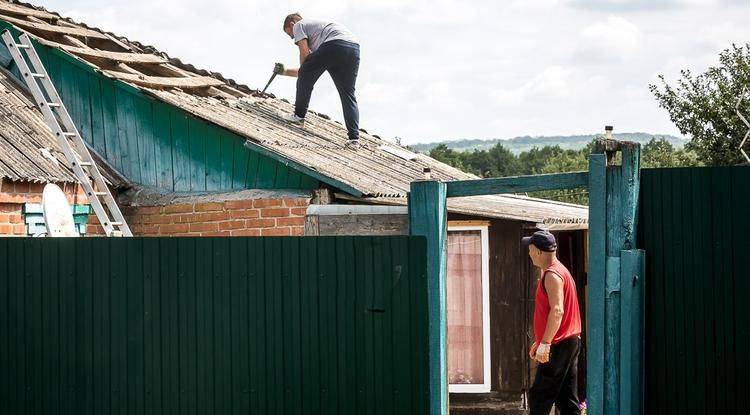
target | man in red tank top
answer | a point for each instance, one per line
(557, 331)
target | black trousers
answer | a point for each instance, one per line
(341, 60)
(556, 381)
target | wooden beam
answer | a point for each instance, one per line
(124, 57)
(623, 186)
(596, 283)
(8, 8)
(457, 223)
(614, 307)
(160, 82)
(632, 335)
(48, 28)
(517, 184)
(428, 217)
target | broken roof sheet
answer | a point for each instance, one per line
(319, 148)
(28, 150)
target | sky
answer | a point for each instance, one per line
(449, 69)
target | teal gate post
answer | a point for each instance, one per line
(428, 216)
(616, 280)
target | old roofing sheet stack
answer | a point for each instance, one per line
(28, 151)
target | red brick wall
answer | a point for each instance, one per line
(11, 220)
(258, 217)
(13, 195)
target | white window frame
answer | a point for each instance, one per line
(480, 387)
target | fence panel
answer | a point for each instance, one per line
(315, 325)
(695, 228)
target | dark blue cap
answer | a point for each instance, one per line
(542, 240)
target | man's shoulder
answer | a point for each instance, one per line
(552, 273)
(312, 22)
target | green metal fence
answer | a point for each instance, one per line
(695, 228)
(213, 326)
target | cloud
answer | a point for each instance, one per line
(614, 38)
(454, 68)
(645, 5)
(624, 5)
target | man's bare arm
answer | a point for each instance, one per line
(304, 52)
(554, 286)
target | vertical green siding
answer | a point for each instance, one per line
(156, 144)
(694, 227)
(213, 325)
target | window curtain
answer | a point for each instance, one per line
(464, 285)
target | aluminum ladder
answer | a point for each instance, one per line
(58, 119)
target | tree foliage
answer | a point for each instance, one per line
(703, 106)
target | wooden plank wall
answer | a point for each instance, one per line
(213, 325)
(694, 227)
(156, 144)
(509, 283)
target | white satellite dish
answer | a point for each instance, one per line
(58, 217)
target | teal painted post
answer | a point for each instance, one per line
(428, 217)
(631, 187)
(633, 267)
(612, 292)
(613, 211)
(596, 282)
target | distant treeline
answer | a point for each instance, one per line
(526, 143)
(498, 161)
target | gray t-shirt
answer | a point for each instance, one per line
(318, 32)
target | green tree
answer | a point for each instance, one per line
(703, 106)
(448, 156)
(661, 153)
(534, 160)
(502, 161)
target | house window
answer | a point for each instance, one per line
(468, 309)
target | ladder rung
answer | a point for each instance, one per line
(22, 46)
(53, 104)
(116, 223)
(85, 163)
(70, 134)
(38, 75)
(100, 193)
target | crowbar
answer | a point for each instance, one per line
(269, 83)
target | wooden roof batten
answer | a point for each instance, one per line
(160, 82)
(124, 57)
(9, 8)
(50, 28)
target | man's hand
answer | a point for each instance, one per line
(532, 351)
(279, 69)
(542, 353)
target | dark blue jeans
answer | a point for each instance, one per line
(341, 60)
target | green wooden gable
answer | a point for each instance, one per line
(153, 143)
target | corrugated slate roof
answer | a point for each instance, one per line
(28, 150)
(370, 172)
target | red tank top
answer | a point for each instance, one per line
(571, 321)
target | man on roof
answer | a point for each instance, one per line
(323, 46)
